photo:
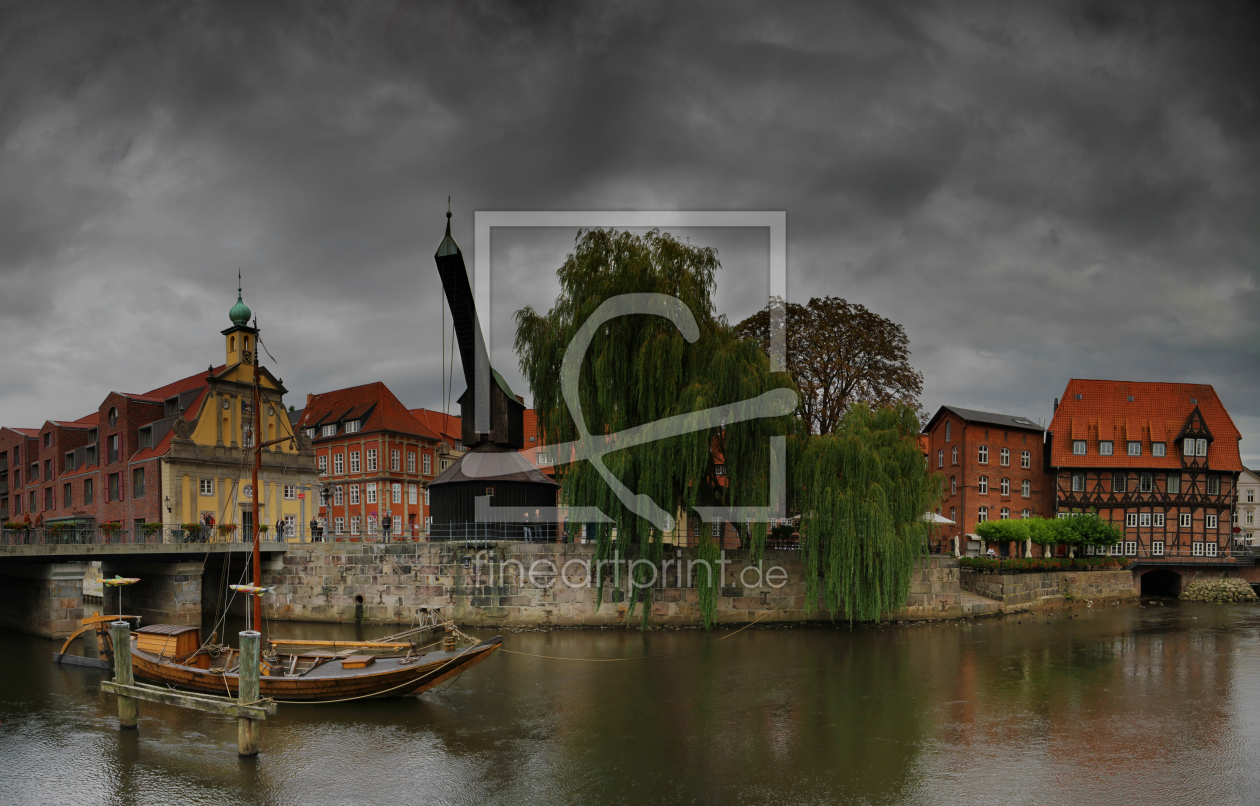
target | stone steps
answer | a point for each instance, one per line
(973, 604)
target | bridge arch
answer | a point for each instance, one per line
(1161, 582)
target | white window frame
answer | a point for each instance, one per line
(311, 432)
(339, 464)
(982, 485)
(1186, 521)
(1250, 517)
(371, 459)
(411, 494)
(1157, 519)
(1130, 548)
(411, 461)
(1025, 459)
(321, 462)
(953, 486)
(1144, 519)
(1213, 485)
(428, 464)
(1146, 482)
(1251, 495)
(354, 495)
(1006, 486)
(1078, 482)
(329, 430)
(1004, 514)
(395, 460)
(339, 525)
(1135, 448)
(1025, 488)
(983, 515)
(1211, 549)
(1131, 520)
(354, 524)
(370, 493)
(1196, 549)
(947, 430)
(1004, 458)
(206, 487)
(397, 492)
(1157, 548)
(1078, 447)
(953, 459)
(426, 496)
(1026, 514)
(338, 495)
(1105, 447)
(1210, 522)
(1200, 448)
(1159, 449)
(290, 525)
(352, 426)
(1172, 480)
(940, 458)
(290, 492)
(983, 455)
(354, 462)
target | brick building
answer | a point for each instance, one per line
(992, 467)
(448, 428)
(375, 460)
(168, 456)
(1158, 460)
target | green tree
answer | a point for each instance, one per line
(862, 490)
(1004, 531)
(640, 370)
(840, 354)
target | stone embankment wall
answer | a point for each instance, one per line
(1028, 590)
(1220, 589)
(494, 586)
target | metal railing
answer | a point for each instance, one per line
(474, 532)
(55, 535)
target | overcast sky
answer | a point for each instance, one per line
(1036, 192)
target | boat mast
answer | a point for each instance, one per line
(257, 443)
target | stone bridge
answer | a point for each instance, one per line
(41, 585)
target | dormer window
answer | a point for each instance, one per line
(352, 426)
(146, 437)
(330, 430)
(1105, 448)
(172, 406)
(310, 432)
(1135, 448)
(1159, 449)
(1078, 447)
(1200, 447)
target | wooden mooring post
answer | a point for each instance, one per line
(247, 693)
(248, 708)
(120, 631)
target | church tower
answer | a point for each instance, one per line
(240, 337)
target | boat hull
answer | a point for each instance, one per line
(385, 678)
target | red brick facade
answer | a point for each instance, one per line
(376, 459)
(992, 466)
(1160, 461)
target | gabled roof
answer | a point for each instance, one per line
(27, 432)
(1157, 413)
(373, 404)
(448, 426)
(986, 417)
(164, 444)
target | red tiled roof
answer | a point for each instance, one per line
(143, 398)
(378, 408)
(182, 385)
(448, 425)
(1157, 413)
(28, 432)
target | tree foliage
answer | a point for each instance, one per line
(1004, 531)
(863, 492)
(1081, 529)
(640, 370)
(862, 488)
(839, 354)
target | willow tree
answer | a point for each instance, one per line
(863, 491)
(640, 369)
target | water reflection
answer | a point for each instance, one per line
(1150, 703)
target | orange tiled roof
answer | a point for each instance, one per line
(373, 403)
(447, 425)
(1157, 413)
(164, 444)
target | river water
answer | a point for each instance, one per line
(1119, 705)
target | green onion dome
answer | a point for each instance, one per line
(240, 312)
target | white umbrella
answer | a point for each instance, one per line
(933, 517)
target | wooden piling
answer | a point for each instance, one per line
(247, 729)
(120, 632)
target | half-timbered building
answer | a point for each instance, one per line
(1158, 460)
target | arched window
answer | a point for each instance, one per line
(1005, 514)
(984, 515)
(953, 485)
(1006, 486)
(232, 343)
(983, 485)
(1026, 488)
(984, 454)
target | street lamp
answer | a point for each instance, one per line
(167, 502)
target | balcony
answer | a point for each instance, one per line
(1235, 556)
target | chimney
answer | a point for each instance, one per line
(310, 397)
(1056, 404)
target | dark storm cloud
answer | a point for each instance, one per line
(1036, 191)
